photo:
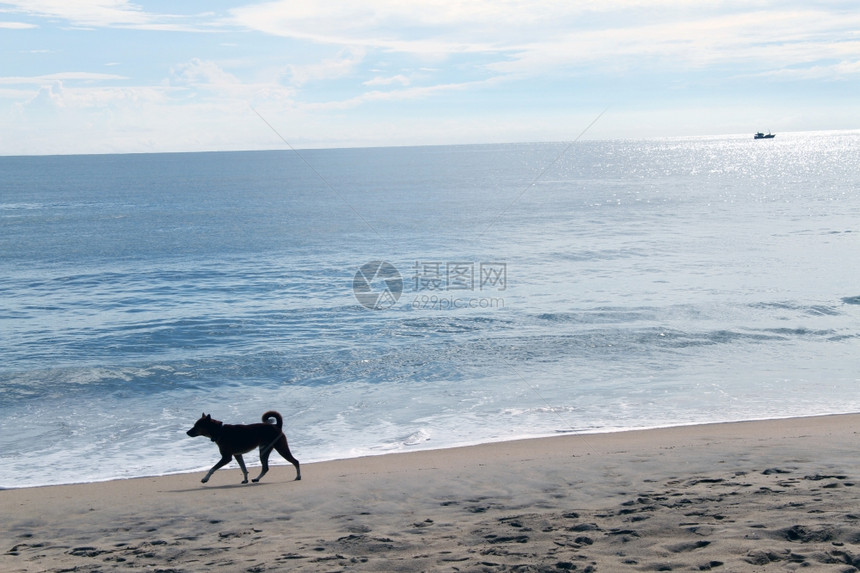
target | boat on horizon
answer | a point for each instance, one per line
(761, 135)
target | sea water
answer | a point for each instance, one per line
(388, 300)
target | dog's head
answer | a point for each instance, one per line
(204, 427)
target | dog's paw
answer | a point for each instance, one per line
(204, 480)
(255, 480)
(244, 481)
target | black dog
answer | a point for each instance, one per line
(235, 440)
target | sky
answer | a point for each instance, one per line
(115, 76)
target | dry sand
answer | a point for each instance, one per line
(753, 496)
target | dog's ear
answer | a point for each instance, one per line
(208, 416)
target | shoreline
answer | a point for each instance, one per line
(772, 494)
(276, 461)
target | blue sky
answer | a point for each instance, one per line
(104, 76)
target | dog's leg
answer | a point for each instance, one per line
(264, 459)
(284, 449)
(242, 465)
(225, 459)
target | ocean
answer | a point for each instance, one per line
(397, 299)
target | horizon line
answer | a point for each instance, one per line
(421, 145)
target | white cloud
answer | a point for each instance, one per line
(206, 79)
(109, 13)
(428, 27)
(404, 94)
(387, 81)
(84, 12)
(48, 97)
(762, 40)
(531, 37)
(61, 76)
(59, 117)
(16, 26)
(345, 63)
(101, 99)
(837, 71)
(197, 73)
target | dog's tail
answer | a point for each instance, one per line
(279, 421)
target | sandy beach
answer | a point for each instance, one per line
(750, 496)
